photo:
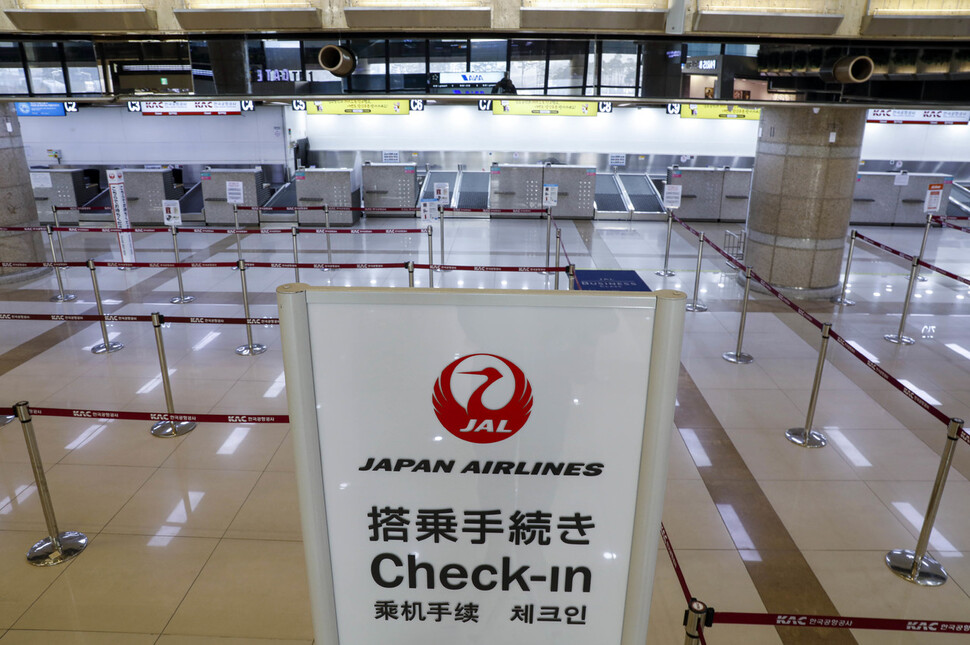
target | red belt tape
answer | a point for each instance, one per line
(469, 267)
(944, 272)
(730, 258)
(963, 434)
(140, 318)
(880, 245)
(361, 231)
(165, 265)
(23, 228)
(785, 299)
(323, 265)
(160, 416)
(890, 378)
(954, 226)
(42, 264)
(86, 209)
(841, 622)
(676, 565)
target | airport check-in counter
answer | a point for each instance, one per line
(712, 194)
(224, 187)
(63, 187)
(894, 198)
(390, 185)
(472, 191)
(144, 191)
(645, 200)
(515, 186)
(612, 203)
(440, 177)
(959, 203)
(576, 190)
(318, 187)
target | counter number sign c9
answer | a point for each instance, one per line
(474, 422)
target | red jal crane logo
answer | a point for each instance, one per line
(475, 422)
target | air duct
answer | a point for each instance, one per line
(337, 60)
(848, 69)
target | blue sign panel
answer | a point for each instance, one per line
(609, 280)
(40, 109)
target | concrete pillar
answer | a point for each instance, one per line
(17, 206)
(801, 196)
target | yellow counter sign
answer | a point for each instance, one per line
(707, 111)
(361, 106)
(541, 108)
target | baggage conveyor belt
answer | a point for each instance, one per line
(643, 195)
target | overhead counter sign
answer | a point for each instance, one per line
(926, 117)
(491, 471)
(543, 108)
(189, 108)
(40, 109)
(359, 106)
(710, 111)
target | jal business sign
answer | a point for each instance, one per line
(480, 467)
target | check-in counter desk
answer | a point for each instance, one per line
(144, 191)
(712, 194)
(62, 187)
(224, 187)
(390, 185)
(318, 187)
(576, 190)
(894, 198)
(515, 186)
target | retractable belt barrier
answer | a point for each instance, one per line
(195, 320)
(884, 247)
(944, 223)
(470, 267)
(910, 258)
(494, 210)
(220, 231)
(160, 416)
(840, 622)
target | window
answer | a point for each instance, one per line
(44, 67)
(13, 79)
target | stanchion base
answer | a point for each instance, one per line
(126, 268)
(67, 297)
(734, 357)
(842, 301)
(251, 350)
(664, 273)
(811, 439)
(930, 574)
(44, 554)
(167, 429)
(921, 279)
(181, 300)
(5, 419)
(107, 349)
(696, 306)
(899, 340)
(327, 269)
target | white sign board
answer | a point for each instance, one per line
(617, 159)
(171, 212)
(672, 195)
(390, 156)
(429, 210)
(934, 197)
(490, 468)
(931, 117)
(183, 108)
(902, 179)
(234, 192)
(442, 192)
(550, 195)
(119, 207)
(41, 180)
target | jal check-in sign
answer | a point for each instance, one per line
(482, 466)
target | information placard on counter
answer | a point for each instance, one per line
(480, 466)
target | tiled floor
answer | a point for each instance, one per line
(197, 539)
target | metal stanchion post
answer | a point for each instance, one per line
(166, 427)
(558, 244)
(326, 225)
(181, 299)
(235, 221)
(570, 276)
(409, 265)
(430, 257)
(918, 566)
(694, 617)
(695, 305)
(666, 272)
(107, 346)
(57, 224)
(922, 246)
(806, 437)
(898, 337)
(841, 299)
(737, 356)
(548, 233)
(61, 296)
(57, 547)
(296, 254)
(250, 348)
(441, 233)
